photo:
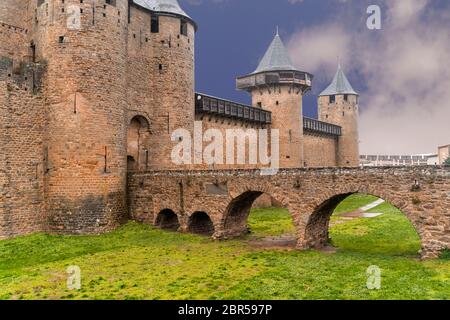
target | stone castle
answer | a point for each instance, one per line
(93, 89)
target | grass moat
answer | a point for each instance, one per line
(142, 262)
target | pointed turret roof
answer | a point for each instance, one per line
(163, 6)
(340, 85)
(276, 58)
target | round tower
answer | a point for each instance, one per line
(172, 86)
(277, 86)
(84, 47)
(338, 104)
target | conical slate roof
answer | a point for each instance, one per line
(340, 85)
(165, 6)
(276, 58)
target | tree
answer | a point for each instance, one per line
(447, 162)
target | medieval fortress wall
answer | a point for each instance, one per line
(83, 101)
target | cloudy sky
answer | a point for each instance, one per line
(401, 71)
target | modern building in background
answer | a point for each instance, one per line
(398, 160)
(443, 153)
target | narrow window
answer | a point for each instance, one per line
(105, 168)
(345, 97)
(332, 99)
(155, 24)
(184, 28)
(33, 52)
(259, 104)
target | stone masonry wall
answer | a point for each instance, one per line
(22, 161)
(320, 150)
(12, 12)
(224, 124)
(13, 39)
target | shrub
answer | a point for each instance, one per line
(447, 162)
(445, 254)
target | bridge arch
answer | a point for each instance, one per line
(236, 214)
(421, 193)
(316, 231)
(167, 219)
(200, 223)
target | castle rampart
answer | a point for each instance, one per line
(92, 90)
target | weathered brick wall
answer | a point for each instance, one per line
(320, 150)
(223, 124)
(422, 193)
(22, 165)
(12, 12)
(13, 42)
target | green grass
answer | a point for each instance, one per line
(354, 202)
(270, 222)
(141, 262)
(389, 234)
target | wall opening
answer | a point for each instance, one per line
(200, 223)
(167, 220)
(138, 136)
(154, 24)
(184, 27)
(131, 163)
(332, 99)
(361, 223)
(33, 52)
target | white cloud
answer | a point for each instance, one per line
(406, 108)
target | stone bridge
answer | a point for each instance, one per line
(217, 203)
